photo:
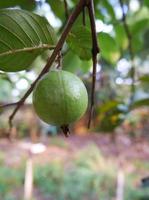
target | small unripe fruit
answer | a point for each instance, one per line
(60, 98)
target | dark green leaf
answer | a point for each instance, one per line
(146, 3)
(139, 103)
(109, 48)
(80, 42)
(23, 37)
(144, 78)
(57, 7)
(25, 4)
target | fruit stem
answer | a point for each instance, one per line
(65, 129)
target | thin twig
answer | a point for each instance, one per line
(130, 48)
(95, 51)
(66, 9)
(8, 105)
(84, 17)
(50, 61)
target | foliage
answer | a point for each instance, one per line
(88, 176)
(27, 38)
(23, 37)
(83, 179)
(8, 178)
(110, 115)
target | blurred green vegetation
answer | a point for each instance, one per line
(87, 176)
(11, 180)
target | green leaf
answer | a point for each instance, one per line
(137, 42)
(57, 7)
(121, 36)
(80, 42)
(144, 78)
(146, 3)
(23, 37)
(109, 9)
(109, 48)
(139, 103)
(111, 115)
(25, 4)
(72, 63)
(108, 106)
(139, 26)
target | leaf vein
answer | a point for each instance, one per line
(19, 27)
(28, 49)
(13, 34)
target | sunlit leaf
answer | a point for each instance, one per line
(23, 37)
(109, 48)
(121, 37)
(139, 26)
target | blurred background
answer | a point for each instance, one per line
(109, 161)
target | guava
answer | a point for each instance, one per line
(60, 98)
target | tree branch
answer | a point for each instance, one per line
(8, 105)
(95, 51)
(130, 48)
(70, 22)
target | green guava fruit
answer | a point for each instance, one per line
(60, 98)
